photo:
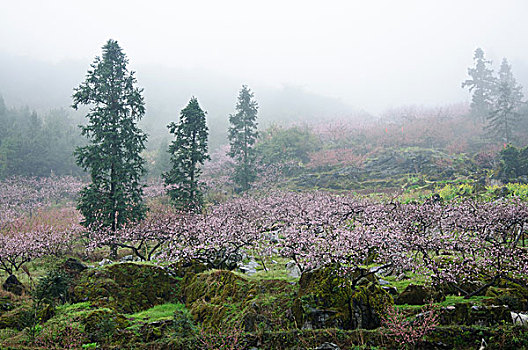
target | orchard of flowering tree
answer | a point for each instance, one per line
(409, 234)
(464, 247)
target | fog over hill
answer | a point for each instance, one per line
(43, 86)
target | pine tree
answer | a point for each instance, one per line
(505, 114)
(112, 155)
(242, 136)
(188, 151)
(481, 85)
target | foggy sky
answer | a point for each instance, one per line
(372, 55)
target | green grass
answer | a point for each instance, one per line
(74, 309)
(275, 271)
(402, 284)
(450, 300)
(71, 314)
(158, 312)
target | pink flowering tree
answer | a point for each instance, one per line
(47, 233)
(145, 238)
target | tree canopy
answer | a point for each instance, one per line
(481, 84)
(188, 151)
(112, 156)
(242, 137)
(505, 112)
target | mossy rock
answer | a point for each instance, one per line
(328, 298)
(415, 294)
(186, 268)
(489, 315)
(155, 330)
(253, 322)
(369, 301)
(208, 314)
(16, 319)
(72, 267)
(45, 312)
(465, 286)
(455, 314)
(101, 325)
(513, 297)
(13, 285)
(218, 286)
(213, 297)
(221, 298)
(127, 287)
(6, 304)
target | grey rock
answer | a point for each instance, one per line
(293, 269)
(105, 262)
(250, 268)
(328, 346)
(128, 258)
(519, 319)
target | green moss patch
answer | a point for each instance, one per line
(158, 312)
(329, 298)
(224, 299)
(127, 287)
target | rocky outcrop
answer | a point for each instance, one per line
(330, 298)
(127, 287)
(479, 315)
(511, 294)
(13, 285)
(418, 295)
(73, 267)
(219, 297)
(102, 324)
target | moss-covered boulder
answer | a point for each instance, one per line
(217, 287)
(45, 312)
(329, 298)
(415, 294)
(13, 285)
(187, 268)
(463, 287)
(514, 297)
(210, 296)
(102, 325)
(478, 315)
(6, 303)
(18, 318)
(220, 298)
(72, 267)
(489, 315)
(455, 314)
(127, 287)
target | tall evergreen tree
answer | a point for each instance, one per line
(242, 136)
(481, 84)
(505, 113)
(188, 151)
(112, 155)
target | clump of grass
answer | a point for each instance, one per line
(158, 312)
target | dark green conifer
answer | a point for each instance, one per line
(188, 152)
(112, 155)
(242, 137)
